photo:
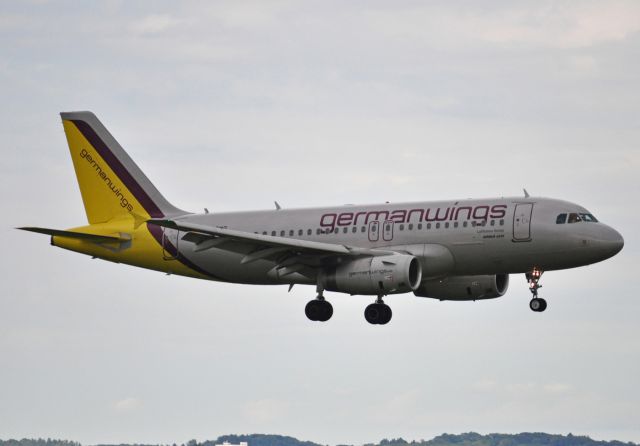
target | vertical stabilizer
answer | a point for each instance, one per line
(111, 184)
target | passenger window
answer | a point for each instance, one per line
(574, 218)
(402, 227)
(345, 229)
(281, 233)
(428, 225)
(561, 219)
(299, 232)
(455, 224)
(419, 226)
(273, 233)
(410, 226)
(446, 225)
(336, 230)
(309, 232)
(437, 225)
(464, 223)
(354, 229)
(501, 222)
(264, 232)
(291, 233)
(364, 229)
(493, 222)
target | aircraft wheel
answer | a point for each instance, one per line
(372, 313)
(386, 314)
(544, 304)
(318, 310)
(538, 304)
(326, 310)
(377, 313)
(313, 310)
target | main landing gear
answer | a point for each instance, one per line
(536, 304)
(319, 309)
(378, 313)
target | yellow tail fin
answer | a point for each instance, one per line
(111, 184)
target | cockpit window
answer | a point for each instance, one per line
(588, 218)
(574, 218)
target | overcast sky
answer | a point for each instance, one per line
(231, 105)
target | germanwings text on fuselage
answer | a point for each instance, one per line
(479, 213)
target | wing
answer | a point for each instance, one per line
(290, 253)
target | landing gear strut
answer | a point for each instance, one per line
(536, 304)
(319, 309)
(378, 313)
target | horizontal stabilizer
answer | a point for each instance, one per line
(78, 235)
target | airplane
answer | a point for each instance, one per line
(457, 250)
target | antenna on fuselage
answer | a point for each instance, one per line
(277, 206)
(526, 194)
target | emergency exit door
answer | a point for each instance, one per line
(374, 231)
(387, 231)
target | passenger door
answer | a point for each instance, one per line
(522, 222)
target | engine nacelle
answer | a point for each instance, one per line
(396, 273)
(465, 287)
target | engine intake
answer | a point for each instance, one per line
(465, 287)
(397, 273)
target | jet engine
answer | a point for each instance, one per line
(464, 287)
(396, 273)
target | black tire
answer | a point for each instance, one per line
(386, 314)
(326, 311)
(543, 305)
(536, 304)
(313, 310)
(372, 314)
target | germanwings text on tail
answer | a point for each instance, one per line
(447, 250)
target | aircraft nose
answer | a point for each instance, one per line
(613, 240)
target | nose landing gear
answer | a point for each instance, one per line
(536, 304)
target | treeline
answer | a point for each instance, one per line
(468, 439)
(524, 439)
(38, 442)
